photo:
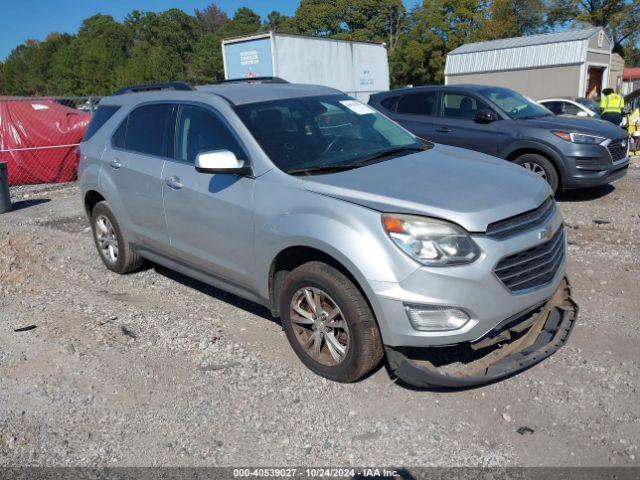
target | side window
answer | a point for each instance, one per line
(118, 139)
(146, 129)
(555, 107)
(102, 115)
(458, 105)
(570, 109)
(199, 130)
(419, 103)
(390, 103)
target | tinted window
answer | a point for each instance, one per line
(555, 107)
(199, 130)
(419, 103)
(98, 120)
(458, 105)
(147, 129)
(390, 103)
(120, 136)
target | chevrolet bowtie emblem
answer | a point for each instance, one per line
(545, 234)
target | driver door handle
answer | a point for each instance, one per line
(116, 164)
(173, 182)
(443, 130)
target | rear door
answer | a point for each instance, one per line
(417, 112)
(135, 167)
(209, 216)
(459, 128)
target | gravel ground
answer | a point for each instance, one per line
(156, 369)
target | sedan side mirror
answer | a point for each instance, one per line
(221, 161)
(485, 116)
(582, 113)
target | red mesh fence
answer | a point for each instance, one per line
(39, 137)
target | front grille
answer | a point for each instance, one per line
(618, 149)
(532, 268)
(522, 222)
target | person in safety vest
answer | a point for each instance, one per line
(611, 105)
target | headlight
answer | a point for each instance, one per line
(579, 137)
(435, 243)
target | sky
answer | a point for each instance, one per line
(24, 19)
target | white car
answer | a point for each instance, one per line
(579, 106)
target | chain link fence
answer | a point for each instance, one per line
(40, 136)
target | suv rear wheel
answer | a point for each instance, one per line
(540, 166)
(329, 323)
(113, 247)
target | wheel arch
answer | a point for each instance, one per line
(292, 257)
(542, 150)
(91, 199)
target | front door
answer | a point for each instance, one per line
(458, 127)
(209, 216)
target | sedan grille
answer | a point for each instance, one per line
(618, 149)
(532, 268)
(522, 222)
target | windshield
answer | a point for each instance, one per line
(324, 132)
(515, 105)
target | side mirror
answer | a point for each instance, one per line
(485, 116)
(221, 161)
(582, 113)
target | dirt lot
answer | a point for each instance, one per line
(156, 369)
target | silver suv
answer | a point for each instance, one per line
(368, 243)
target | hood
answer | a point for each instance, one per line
(462, 186)
(571, 123)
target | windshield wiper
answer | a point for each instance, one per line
(338, 167)
(387, 153)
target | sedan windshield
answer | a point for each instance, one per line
(590, 104)
(324, 133)
(515, 105)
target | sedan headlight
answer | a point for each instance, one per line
(435, 243)
(579, 137)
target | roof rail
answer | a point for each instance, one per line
(255, 80)
(151, 87)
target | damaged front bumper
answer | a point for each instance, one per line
(509, 348)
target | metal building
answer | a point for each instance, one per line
(356, 68)
(571, 63)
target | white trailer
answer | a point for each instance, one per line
(356, 68)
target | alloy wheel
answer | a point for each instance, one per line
(319, 326)
(535, 168)
(107, 239)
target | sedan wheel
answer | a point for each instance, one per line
(319, 326)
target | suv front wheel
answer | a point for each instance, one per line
(540, 166)
(329, 323)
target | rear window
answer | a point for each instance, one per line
(102, 115)
(146, 129)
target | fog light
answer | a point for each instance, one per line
(435, 317)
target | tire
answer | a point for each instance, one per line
(541, 166)
(107, 232)
(360, 337)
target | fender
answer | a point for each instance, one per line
(548, 150)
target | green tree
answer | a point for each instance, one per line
(277, 22)
(513, 18)
(620, 18)
(434, 29)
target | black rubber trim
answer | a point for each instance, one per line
(555, 333)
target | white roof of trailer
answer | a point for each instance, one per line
(516, 53)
